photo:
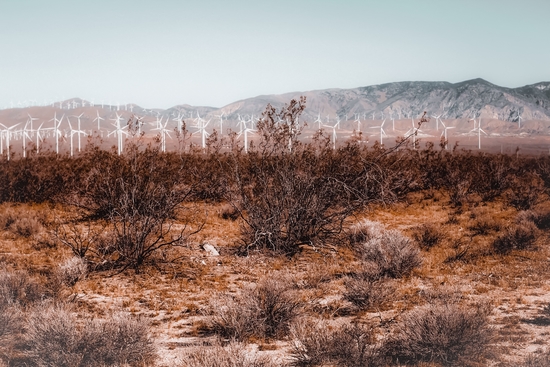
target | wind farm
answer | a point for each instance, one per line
(504, 126)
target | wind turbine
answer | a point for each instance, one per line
(98, 119)
(79, 132)
(318, 120)
(31, 119)
(334, 135)
(245, 132)
(163, 132)
(202, 130)
(382, 132)
(8, 131)
(56, 131)
(358, 120)
(479, 130)
(221, 121)
(119, 131)
(437, 119)
(413, 131)
(444, 133)
(519, 120)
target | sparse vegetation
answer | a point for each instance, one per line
(449, 334)
(333, 220)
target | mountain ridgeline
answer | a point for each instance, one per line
(464, 100)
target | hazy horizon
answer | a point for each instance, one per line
(164, 53)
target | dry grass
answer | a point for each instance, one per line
(175, 295)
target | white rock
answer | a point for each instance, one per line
(211, 250)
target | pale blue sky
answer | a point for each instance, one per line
(166, 52)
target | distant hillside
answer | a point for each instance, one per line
(407, 99)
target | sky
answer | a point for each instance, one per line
(162, 53)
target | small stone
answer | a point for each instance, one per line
(211, 250)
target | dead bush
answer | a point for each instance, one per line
(363, 231)
(367, 293)
(427, 235)
(55, 338)
(266, 310)
(11, 328)
(448, 334)
(526, 191)
(72, 270)
(231, 355)
(18, 288)
(229, 212)
(393, 254)
(317, 344)
(520, 236)
(483, 222)
(537, 360)
(80, 237)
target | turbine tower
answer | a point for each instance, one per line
(444, 133)
(382, 132)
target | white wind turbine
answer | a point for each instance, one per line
(479, 130)
(31, 119)
(334, 135)
(79, 131)
(202, 130)
(26, 133)
(163, 132)
(358, 120)
(220, 116)
(382, 132)
(245, 132)
(413, 131)
(39, 137)
(119, 132)
(98, 119)
(337, 121)
(318, 120)
(444, 133)
(178, 120)
(519, 120)
(8, 131)
(56, 131)
(437, 119)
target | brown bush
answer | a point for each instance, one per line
(520, 236)
(427, 235)
(231, 355)
(367, 293)
(347, 345)
(264, 311)
(18, 288)
(537, 360)
(448, 334)
(391, 253)
(55, 338)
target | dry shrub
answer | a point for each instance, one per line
(22, 221)
(365, 292)
(72, 270)
(520, 236)
(363, 231)
(483, 222)
(427, 235)
(393, 254)
(537, 360)
(264, 311)
(541, 217)
(11, 327)
(316, 344)
(55, 338)
(18, 288)
(229, 212)
(526, 191)
(448, 334)
(231, 355)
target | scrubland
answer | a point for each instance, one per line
(352, 256)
